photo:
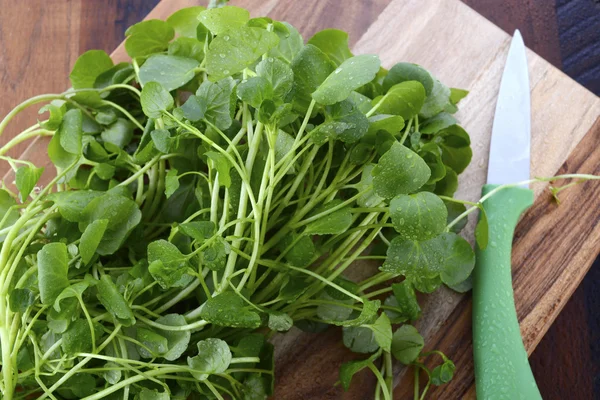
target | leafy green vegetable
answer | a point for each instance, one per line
(213, 357)
(237, 49)
(407, 344)
(399, 171)
(334, 43)
(181, 71)
(219, 188)
(52, 271)
(350, 75)
(185, 21)
(148, 37)
(26, 178)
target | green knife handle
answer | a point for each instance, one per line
(501, 367)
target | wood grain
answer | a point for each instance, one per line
(463, 50)
(26, 68)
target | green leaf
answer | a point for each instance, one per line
(359, 339)
(153, 344)
(344, 122)
(122, 214)
(8, 213)
(457, 158)
(77, 338)
(194, 108)
(369, 198)
(198, 230)
(112, 374)
(20, 299)
(255, 387)
(55, 117)
(334, 43)
(418, 216)
(188, 48)
(278, 73)
(220, 100)
(331, 224)
(280, 321)
(104, 171)
(457, 95)
(389, 123)
(229, 309)
(70, 132)
(290, 44)
(351, 74)
(436, 101)
(213, 357)
(292, 288)
(407, 344)
(171, 72)
(171, 183)
(443, 373)
(367, 314)
(310, 67)
(91, 238)
(220, 20)
(301, 253)
(72, 203)
(404, 99)
(86, 70)
(349, 369)
(406, 300)
(454, 210)
(113, 301)
(185, 21)
(448, 185)
(147, 394)
(148, 37)
(177, 341)
(237, 49)
(78, 386)
(167, 265)
(403, 72)
(119, 133)
(255, 90)
(382, 329)
(215, 254)
(52, 271)
(26, 178)
(162, 140)
(437, 123)
(155, 100)
(482, 229)
(106, 115)
(399, 171)
(447, 256)
(74, 291)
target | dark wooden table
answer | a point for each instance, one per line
(40, 40)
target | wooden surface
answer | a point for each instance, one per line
(544, 256)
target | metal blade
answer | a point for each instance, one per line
(511, 132)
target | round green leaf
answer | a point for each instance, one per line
(399, 171)
(407, 344)
(419, 216)
(351, 74)
(213, 357)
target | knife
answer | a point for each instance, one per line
(502, 370)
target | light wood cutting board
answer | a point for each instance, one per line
(554, 246)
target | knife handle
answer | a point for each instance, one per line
(502, 370)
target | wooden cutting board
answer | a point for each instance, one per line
(554, 246)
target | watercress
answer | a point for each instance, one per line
(216, 190)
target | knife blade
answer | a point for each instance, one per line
(502, 369)
(511, 131)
